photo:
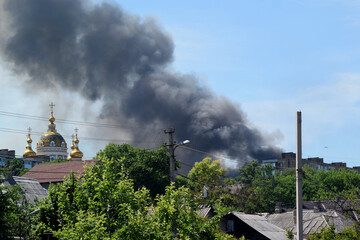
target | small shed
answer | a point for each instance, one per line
(251, 226)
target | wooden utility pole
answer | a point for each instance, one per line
(172, 154)
(299, 173)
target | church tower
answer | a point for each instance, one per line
(51, 143)
(76, 154)
(29, 153)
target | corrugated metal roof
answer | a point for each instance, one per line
(204, 210)
(312, 221)
(31, 188)
(262, 225)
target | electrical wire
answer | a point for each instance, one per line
(10, 130)
(67, 121)
(208, 153)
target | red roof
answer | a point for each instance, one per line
(55, 172)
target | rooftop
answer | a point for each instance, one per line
(55, 172)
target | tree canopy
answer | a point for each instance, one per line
(206, 173)
(104, 204)
(147, 168)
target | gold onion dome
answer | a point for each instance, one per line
(76, 153)
(72, 147)
(29, 152)
(51, 138)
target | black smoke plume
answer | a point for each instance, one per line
(123, 60)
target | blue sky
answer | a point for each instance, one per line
(273, 58)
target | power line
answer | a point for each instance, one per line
(66, 121)
(208, 153)
(18, 131)
(185, 163)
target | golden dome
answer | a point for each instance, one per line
(29, 152)
(69, 158)
(76, 153)
(51, 138)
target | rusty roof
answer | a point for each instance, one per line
(55, 172)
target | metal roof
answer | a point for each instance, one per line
(312, 221)
(55, 172)
(31, 188)
(262, 225)
(204, 210)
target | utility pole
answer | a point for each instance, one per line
(171, 144)
(299, 173)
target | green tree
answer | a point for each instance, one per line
(206, 173)
(285, 189)
(14, 167)
(247, 174)
(104, 204)
(12, 206)
(147, 168)
(349, 233)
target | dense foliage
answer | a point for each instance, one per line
(206, 173)
(12, 206)
(272, 186)
(147, 168)
(259, 187)
(104, 204)
(127, 195)
(13, 167)
(349, 233)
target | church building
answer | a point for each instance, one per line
(51, 145)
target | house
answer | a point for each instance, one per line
(30, 187)
(318, 215)
(251, 226)
(4, 155)
(55, 172)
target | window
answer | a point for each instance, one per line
(62, 144)
(230, 226)
(52, 144)
(41, 144)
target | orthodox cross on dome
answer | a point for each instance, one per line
(76, 131)
(52, 105)
(29, 137)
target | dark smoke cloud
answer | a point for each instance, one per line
(122, 60)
